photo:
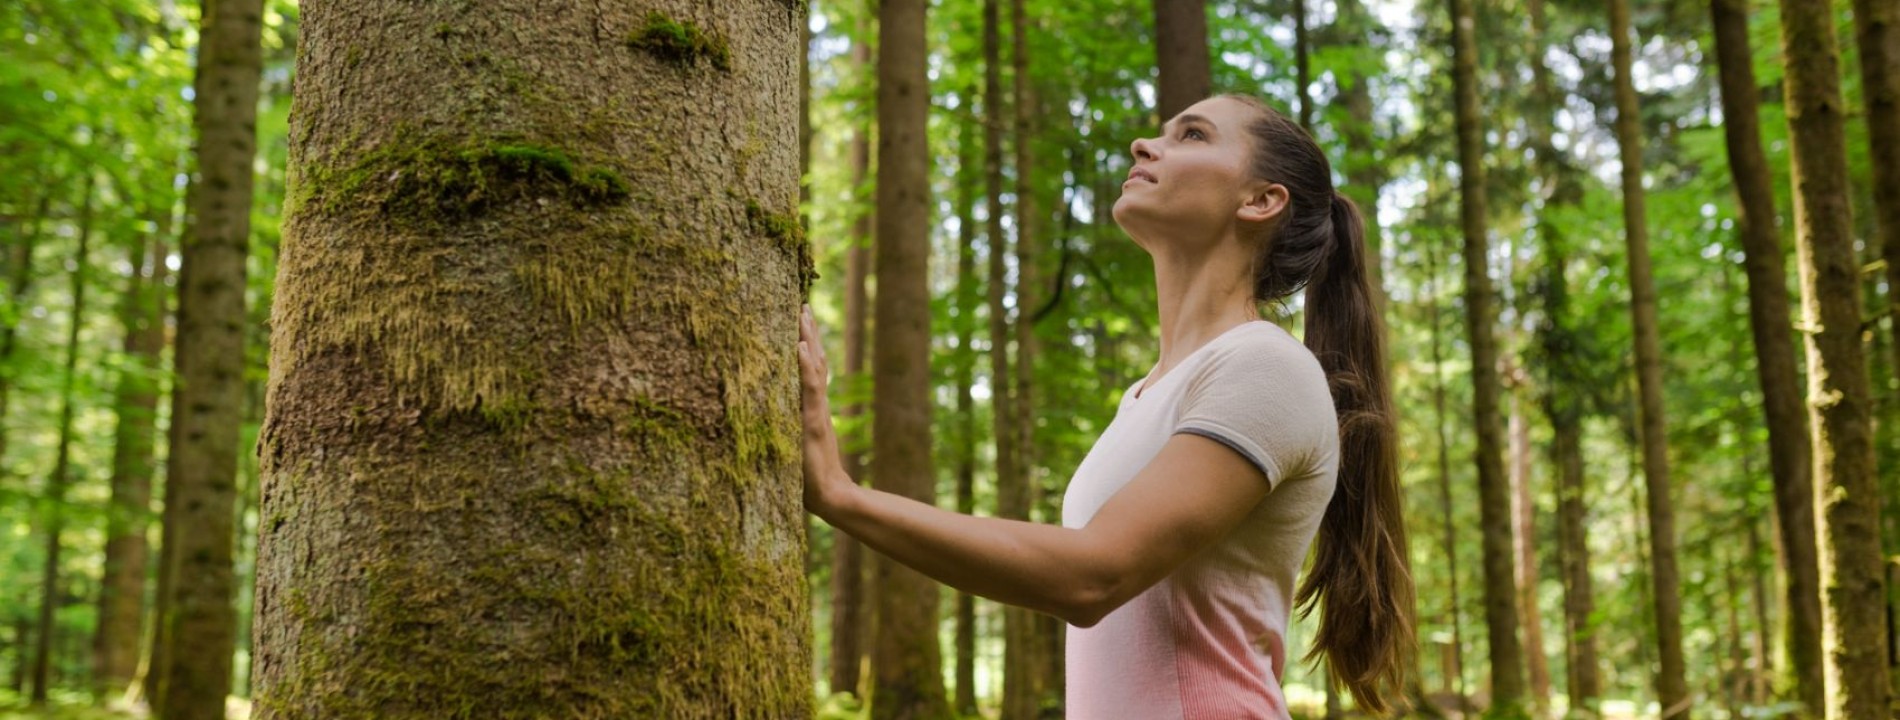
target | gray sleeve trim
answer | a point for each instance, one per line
(1266, 469)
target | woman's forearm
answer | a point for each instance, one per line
(1042, 567)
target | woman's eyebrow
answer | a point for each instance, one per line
(1188, 118)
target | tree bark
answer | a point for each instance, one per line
(209, 356)
(1877, 31)
(907, 661)
(1672, 689)
(1023, 682)
(1012, 499)
(1500, 587)
(54, 513)
(1455, 654)
(122, 590)
(847, 578)
(531, 443)
(1788, 451)
(1524, 529)
(1365, 175)
(1302, 66)
(1184, 71)
(969, 161)
(1847, 503)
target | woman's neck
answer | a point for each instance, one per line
(1201, 295)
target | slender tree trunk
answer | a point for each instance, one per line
(1524, 526)
(1877, 30)
(1853, 612)
(1788, 451)
(122, 591)
(905, 656)
(61, 479)
(1455, 653)
(1185, 73)
(1365, 174)
(847, 573)
(531, 443)
(969, 160)
(1302, 66)
(158, 651)
(19, 281)
(1023, 682)
(1500, 588)
(1012, 499)
(209, 355)
(1672, 688)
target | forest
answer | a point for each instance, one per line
(402, 359)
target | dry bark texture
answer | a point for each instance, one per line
(1672, 689)
(1494, 491)
(115, 646)
(1768, 318)
(531, 446)
(905, 658)
(1181, 58)
(1847, 503)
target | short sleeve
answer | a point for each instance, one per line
(1266, 398)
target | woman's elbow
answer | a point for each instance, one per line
(1087, 605)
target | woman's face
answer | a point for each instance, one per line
(1195, 179)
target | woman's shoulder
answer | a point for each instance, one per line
(1265, 346)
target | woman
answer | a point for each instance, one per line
(1185, 526)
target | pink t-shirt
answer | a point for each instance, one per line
(1209, 641)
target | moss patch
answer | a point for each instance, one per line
(787, 234)
(681, 42)
(441, 179)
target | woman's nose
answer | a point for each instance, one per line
(1142, 149)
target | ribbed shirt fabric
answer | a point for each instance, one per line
(1208, 641)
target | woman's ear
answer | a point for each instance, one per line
(1267, 202)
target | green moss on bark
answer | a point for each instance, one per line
(787, 233)
(681, 42)
(433, 181)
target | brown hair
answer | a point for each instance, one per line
(1360, 579)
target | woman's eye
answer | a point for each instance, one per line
(1193, 134)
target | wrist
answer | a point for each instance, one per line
(837, 496)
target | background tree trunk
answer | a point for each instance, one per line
(1494, 492)
(1011, 491)
(1365, 175)
(60, 480)
(847, 578)
(1853, 607)
(531, 445)
(1672, 689)
(1524, 530)
(1768, 317)
(1024, 683)
(905, 657)
(122, 590)
(969, 164)
(1185, 74)
(1455, 653)
(1877, 30)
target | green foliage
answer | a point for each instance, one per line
(681, 42)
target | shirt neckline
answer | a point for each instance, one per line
(1154, 383)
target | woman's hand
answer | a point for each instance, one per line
(824, 471)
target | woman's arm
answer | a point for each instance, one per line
(1190, 495)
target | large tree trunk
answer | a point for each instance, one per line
(1185, 73)
(122, 591)
(847, 572)
(1672, 689)
(1853, 611)
(906, 659)
(209, 356)
(54, 514)
(1877, 29)
(1494, 492)
(531, 445)
(1768, 317)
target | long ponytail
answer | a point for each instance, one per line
(1360, 580)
